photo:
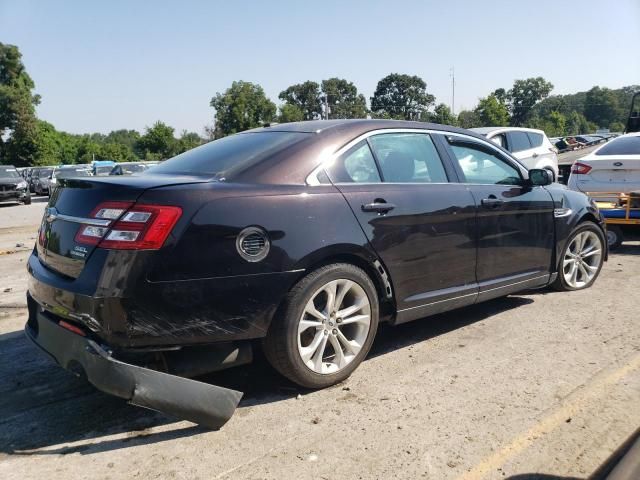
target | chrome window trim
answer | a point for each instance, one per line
(312, 178)
(52, 215)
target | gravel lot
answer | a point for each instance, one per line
(542, 382)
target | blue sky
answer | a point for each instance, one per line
(125, 64)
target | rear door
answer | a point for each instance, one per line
(421, 225)
(541, 150)
(516, 233)
(520, 147)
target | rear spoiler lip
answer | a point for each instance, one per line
(207, 405)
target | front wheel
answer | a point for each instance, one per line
(325, 327)
(582, 258)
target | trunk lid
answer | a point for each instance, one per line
(72, 206)
(614, 170)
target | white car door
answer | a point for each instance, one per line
(520, 147)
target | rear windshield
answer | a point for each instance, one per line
(621, 146)
(10, 172)
(235, 152)
(134, 168)
(72, 172)
(105, 169)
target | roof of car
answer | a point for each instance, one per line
(488, 130)
(354, 126)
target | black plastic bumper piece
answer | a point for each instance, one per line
(198, 402)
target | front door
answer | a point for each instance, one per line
(421, 225)
(515, 220)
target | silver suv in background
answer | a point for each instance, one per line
(530, 146)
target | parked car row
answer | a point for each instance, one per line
(576, 142)
(41, 180)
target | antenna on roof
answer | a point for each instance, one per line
(452, 74)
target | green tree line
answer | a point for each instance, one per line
(26, 140)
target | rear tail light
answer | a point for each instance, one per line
(131, 227)
(580, 168)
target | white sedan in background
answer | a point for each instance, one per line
(613, 167)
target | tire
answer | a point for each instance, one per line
(287, 341)
(583, 253)
(27, 199)
(615, 237)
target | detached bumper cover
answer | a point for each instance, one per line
(198, 402)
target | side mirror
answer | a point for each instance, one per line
(540, 177)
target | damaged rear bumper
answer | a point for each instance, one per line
(198, 402)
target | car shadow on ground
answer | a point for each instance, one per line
(626, 249)
(42, 405)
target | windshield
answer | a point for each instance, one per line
(45, 172)
(234, 152)
(9, 172)
(104, 170)
(621, 146)
(72, 172)
(134, 168)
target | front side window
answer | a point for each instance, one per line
(356, 165)
(480, 166)
(408, 158)
(519, 141)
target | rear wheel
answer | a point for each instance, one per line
(614, 236)
(582, 258)
(325, 327)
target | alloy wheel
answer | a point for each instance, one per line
(582, 259)
(334, 326)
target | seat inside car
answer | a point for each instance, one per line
(398, 167)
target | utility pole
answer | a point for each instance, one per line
(452, 74)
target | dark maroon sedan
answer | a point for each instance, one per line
(304, 235)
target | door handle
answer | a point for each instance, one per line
(491, 202)
(535, 155)
(380, 207)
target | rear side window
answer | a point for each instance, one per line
(518, 141)
(535, 139)
(233, 153)
(356, 165)
(408, 158)
(500, 139)
(621, 146)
